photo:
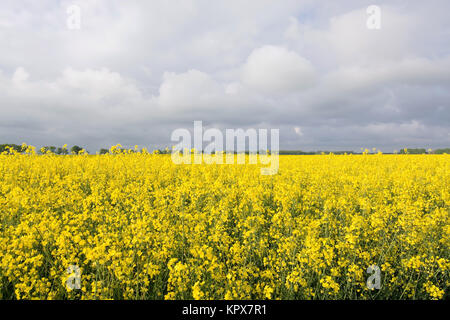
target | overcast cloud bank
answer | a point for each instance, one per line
(137, 70)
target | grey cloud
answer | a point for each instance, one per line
(137, 70)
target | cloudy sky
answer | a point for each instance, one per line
(137, 70)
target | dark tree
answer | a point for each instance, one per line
(52, 149)
(75, 149)
(62, 151)
(413, 151)
(5, 147)
(442, 151)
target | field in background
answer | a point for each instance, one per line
(140, 227)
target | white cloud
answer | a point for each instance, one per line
(191, 89)
(298, 131)
(99, 84)
(20, 76)
(233, 88)
(272, 69)
(353, 42)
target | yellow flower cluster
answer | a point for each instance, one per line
(140, 227)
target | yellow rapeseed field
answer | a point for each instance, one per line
(140, 227)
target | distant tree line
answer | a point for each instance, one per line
(413, 151)
(300, 152)
(8, 146)
(56, 150)
(442, 151)
(76, 150)
(423, 151)
(60, 150)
